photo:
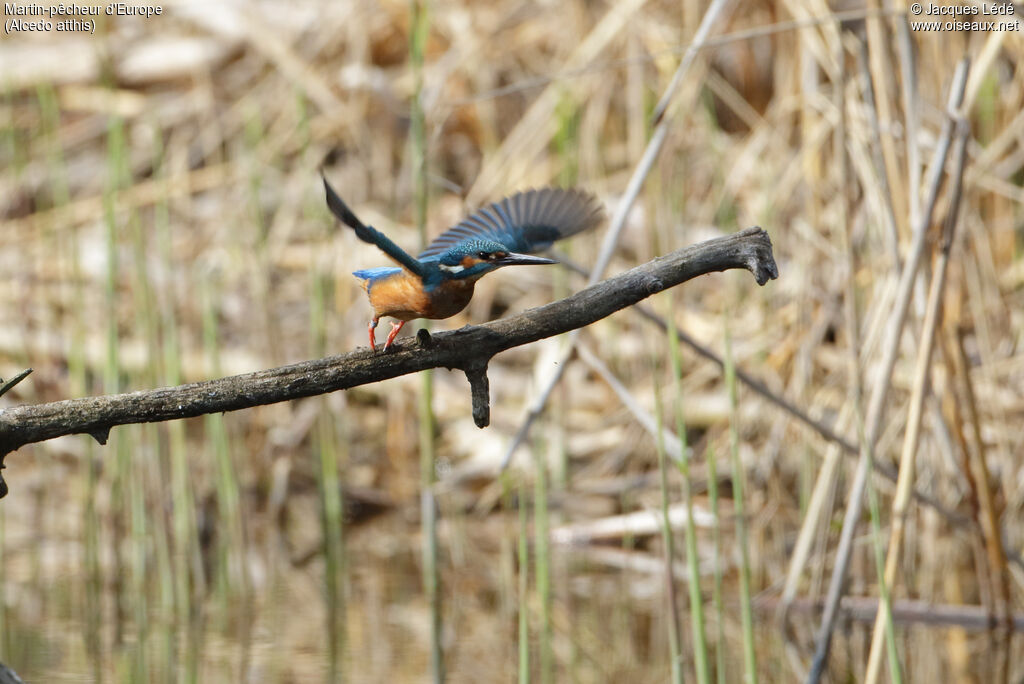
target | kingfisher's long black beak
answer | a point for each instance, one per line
(514, 259)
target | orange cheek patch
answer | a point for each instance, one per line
(468, 261)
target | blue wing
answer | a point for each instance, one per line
(526, 222)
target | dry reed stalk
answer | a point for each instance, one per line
(908, 89)
(905, 612)
(881, 86)
(812, 16)
(989, 570)
(853, 326)
(636, 524)
(882, 381)
(883, 158)
(921, 381)
(813, 519)
(980, 478)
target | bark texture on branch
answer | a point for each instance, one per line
(468, 349)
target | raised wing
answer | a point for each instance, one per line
(526, 222)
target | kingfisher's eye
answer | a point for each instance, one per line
(483, 255)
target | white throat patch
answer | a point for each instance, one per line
(451, 269)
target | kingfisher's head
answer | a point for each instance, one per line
(473, 258)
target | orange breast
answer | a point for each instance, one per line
(402, 296)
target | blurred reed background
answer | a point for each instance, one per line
(162, 221)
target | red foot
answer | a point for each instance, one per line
(373, 338)
(395, 327)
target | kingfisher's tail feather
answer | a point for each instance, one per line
(340, 209)
(369, 233)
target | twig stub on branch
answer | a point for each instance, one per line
(6, 387)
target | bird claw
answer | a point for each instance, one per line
(395, 327)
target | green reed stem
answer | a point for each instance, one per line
(139, 557)
(878, 546)
(566, 139)
(93, 621)
(431, 579)
(186, 563)
(67, 249)
(49, 237)
(231, 581)
(716, 544)
(700, 642)
(508, 587)
(542, 563)
(738, 477)
(119, 505)
(524, 588)
(149, 540)
(329, 485)
(674, 638)
(327, 446)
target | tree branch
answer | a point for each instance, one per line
(468, 349)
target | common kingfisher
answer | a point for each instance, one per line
(439, 282)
